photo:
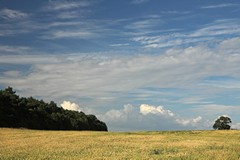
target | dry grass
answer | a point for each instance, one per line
(31, 144)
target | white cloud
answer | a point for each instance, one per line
(121, 115)
(192, 122)
(217, 109)
(205, 34)
(236, 126)
(70, 106)
(230, 45)
(27, 59)
(217, 28)
(79, 34)
(68, 15)
(10, 14)
(66, 5)
(119, 45)
(75, 30)
(147, 117)
(220, 6)
(62, 24)
(148, 23)
(103, 80)
(194, 100)
(94, 75)
(146, 109)
(14, 49)
(12, 73)
(139, 1)
(170, 40)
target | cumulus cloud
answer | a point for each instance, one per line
(192, 122)
(121, 115)
(147, 117)
(147, 109)
(108, 76)
(70, 106)
(103, 80)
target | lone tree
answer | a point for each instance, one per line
(222, 123)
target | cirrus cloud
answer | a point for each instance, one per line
(10, 14)
(102, 81)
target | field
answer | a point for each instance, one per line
(32, 144)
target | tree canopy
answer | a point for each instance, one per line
(222, 123)
(22, 112)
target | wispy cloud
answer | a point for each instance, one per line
(5, 49)
(65, 5)
(225, 82)
(77, 29)
(209, 33)
(217, 28)
(18, 26)
(107, 80)
(220, 6)
(68, 14)
(139, 1)
(10, 14)
(119, 44)
(28, 59)
(175, 68)
(194, 100)
(217, 109)
(67, 9)
(75, 34)
(175, 12)
(148, 23)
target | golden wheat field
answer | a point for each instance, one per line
(33, 144)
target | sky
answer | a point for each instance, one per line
(135, 64)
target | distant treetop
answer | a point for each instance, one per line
(222, 123)
(22, 112)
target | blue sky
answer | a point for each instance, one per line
(136, 64)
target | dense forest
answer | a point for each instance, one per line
(21, 112)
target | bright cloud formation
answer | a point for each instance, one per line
(92, 75)
(150, 117)
(146, 109)
(100, 56)
(70, 106)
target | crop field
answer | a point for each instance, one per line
(33, 144)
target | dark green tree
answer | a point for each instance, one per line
(222, 123)
(31, 113)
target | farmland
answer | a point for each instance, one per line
(35, 144)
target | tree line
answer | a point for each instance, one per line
(22, 112)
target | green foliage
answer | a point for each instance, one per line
(222, 123)
(36, 114)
